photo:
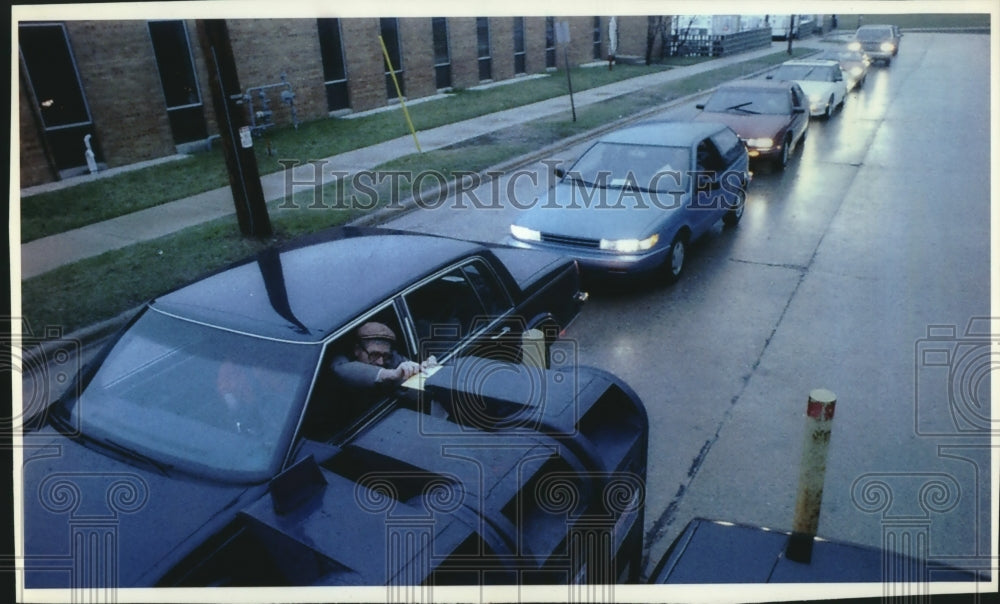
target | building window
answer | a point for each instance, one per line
(185, 109)
(519, 64)
(442, 54)
(597, 38)
(483, 45)
(55, 84)
(390, 36)
(331, 48)
(550, 42)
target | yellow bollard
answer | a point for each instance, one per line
(812, 469)
(399, 93)
(533, 348)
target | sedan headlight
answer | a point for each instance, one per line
(760, 143)
(887, 46)
(629, 245)
(854, 46)
(524, 233)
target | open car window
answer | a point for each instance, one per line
(450, 308)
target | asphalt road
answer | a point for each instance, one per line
(860, 269)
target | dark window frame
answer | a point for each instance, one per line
(336, 87)
(550, 42)
(598, 38)
(394, 47)
(485, 62)
(442, 68)
(520, 54)
(64, 139)
(187, 119)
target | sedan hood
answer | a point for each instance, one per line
(818, 89)
(78, 499)
(581, 211)
(749, 125)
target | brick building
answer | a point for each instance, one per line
(107, 93)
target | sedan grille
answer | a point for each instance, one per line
(574, 241)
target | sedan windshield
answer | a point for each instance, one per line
(749, 101)
(188, 396)
(621, 165)
(874, 34)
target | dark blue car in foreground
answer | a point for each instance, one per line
(210, 444)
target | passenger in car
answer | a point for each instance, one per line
(375, 360)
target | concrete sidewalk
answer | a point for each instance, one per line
(48, 253)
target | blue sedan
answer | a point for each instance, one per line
(636, 198)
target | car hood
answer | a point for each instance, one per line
(579, 211)
(749, 125)
(77, 497)
(813, 88)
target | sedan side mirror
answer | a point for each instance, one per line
(700, 106)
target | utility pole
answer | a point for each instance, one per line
(237, 141)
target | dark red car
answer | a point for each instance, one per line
(771, 117)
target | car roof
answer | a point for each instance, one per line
(663, 133)
(305, 291)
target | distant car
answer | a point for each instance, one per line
(879, 42)
(637, 197)
(853, 63)
(771, 116)
(822, 81)
(212, 443)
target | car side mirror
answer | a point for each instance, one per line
(700, 106)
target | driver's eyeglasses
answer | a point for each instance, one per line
(377, 355)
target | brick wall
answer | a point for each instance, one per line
(35, 168)
(122, 86)
(266, 49)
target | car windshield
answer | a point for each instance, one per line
(814, 73)
(874, 34)
(842, 55)
(750, 101)
(623, 165)
(203, 400)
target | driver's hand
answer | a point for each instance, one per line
(405, 370)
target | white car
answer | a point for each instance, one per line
(822, 81)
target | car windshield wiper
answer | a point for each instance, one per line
(574, 178)
(742, 107)
(135, 455)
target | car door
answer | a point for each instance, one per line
(708, 201)
(800, 113)
(735, 162)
